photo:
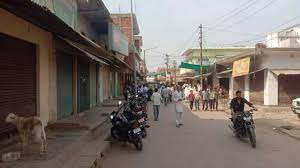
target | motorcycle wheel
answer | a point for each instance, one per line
(139, 144)
(252, 137)
(114, 133)
(144, 135)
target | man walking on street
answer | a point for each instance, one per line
(191, 99)
(197, 100)
(177, 98)
(166, 94)
(156, 98)
(211, 99)
(205, 98)
(217, 95)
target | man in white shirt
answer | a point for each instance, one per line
(156, 99)
(166, 94)
(177, 98)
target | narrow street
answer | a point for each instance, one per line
(204, 142)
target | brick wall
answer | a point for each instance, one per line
(124, 22)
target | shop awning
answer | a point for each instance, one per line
(204, 75)
(224, 74)
(45, 19)
(91, 56)
(286, 72)
(191, 66)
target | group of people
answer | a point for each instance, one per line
(166, 94)
(209, 97)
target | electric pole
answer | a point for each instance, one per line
(175, 71)
(167, 64)
(134, 57)
(201, 52)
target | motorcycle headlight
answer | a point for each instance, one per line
(111, 117)
(248, 119)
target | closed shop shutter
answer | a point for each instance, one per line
(64, 85)
(93, 84)
(257, 88)
(105, 78)
(83, 84)
(288, 88)
(17, 79)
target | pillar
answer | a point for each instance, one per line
(247, 87)
(270, 88)
(231, 88)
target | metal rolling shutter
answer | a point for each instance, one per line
(17, 79)
(64, 85)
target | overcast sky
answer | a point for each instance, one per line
(170, 25)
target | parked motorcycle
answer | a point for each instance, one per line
(125, 130)
(245, 127)
(132, 112)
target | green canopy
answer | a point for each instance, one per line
(191, 66)
(158, 73)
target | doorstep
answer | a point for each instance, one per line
(87, 120)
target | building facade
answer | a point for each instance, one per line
(56, 60)
(272, 78)
(287, 38)
(210, 56)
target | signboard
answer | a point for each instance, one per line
(117, 40)
(241, 67)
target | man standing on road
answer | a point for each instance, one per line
(197, 100)
(211, 94)
(166, 95)
(205, 98)
(177, 98)
(191, 98)
(156, 98)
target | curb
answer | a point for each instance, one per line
(286, 132)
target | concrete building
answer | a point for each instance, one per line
(210, 56)
(125, 21)
(287, 38)
(56, 60)
(272, 77)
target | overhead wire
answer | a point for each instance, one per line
(252, 14)
(231, 11)
(187, 42)
(226, 19)
(263, 35)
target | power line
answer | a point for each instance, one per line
(231, 11)
(253, 14)
(247, 6)
(261, 35)
(182, 47)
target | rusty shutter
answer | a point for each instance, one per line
(17, 79)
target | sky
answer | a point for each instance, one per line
(172, 25)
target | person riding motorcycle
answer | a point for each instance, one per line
(237, 105)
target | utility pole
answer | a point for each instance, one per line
(134, 58)
(175, 69)
(201, 52)
(167, 64)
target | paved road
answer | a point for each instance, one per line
(207, 143)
